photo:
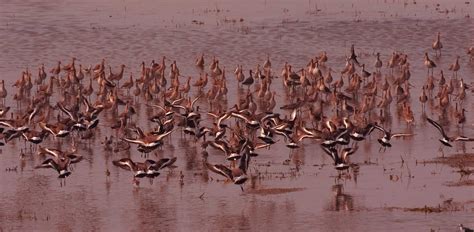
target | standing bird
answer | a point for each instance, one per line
(3, 92)
(378, 63)
(267, 65)
(249, 80)
(364, 73)
(200, 62)
(470, 52)
(455, 67)
(429, 64)
(437, 45)
(353, 56)
(239, 74)
(323, 58)
(423, 99)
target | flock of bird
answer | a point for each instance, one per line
(336, 112)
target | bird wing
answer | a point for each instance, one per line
(400, 135)
(166, 162)
(152, 165)
(435, 124)
(349, 151)
(260, 146)
(53, 152)
(237, 115)
(306, 136)
(86, 103)
(221, 145)
(6, 124)
(125, 163)
(135, 141)
(194, 101)
(369, 128)
(463, 138)
(342, 134)
(161, 136)
(213, 115)
(66, 111)
(221, 170)
(293, 115)
(32, 114)
(139, 131)
(179, 107)
(331, 152)
(48, 163)
(45, 126)
(379, 128)
(222, 118)
(74, 158)
(244, 162)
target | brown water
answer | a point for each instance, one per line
(310, 198)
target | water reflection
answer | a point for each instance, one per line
(93, 200)
(340, 201)
(150, 209)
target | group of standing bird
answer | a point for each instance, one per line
(72, 102)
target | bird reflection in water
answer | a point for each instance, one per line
(340, 201)
(347, 175)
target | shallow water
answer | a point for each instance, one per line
(284, 198)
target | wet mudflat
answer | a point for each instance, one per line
(409, 186)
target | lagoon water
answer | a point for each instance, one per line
(301, 195)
